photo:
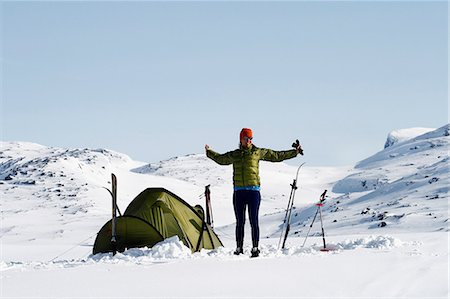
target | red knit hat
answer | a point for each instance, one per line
(246, 132)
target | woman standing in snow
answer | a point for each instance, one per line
(246, 182)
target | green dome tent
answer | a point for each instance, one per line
(154, 215)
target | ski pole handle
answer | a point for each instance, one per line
(322, 197)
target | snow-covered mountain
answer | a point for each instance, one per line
(405, 186)
(52, 197)
(53, 202)
(401, 135)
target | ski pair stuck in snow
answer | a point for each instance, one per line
(287, 218)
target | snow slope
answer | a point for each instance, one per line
(386, 220)
(53, 198)
(404, 186)
(401, 135)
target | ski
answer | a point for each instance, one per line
(114, 213)
(209, 217)
(287, 217)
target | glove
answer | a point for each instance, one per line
(298, 147)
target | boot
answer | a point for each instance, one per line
(238, 251)
(255, 252)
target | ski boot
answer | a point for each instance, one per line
(255, 252)
(238, 251)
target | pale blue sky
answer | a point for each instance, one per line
(160, 79)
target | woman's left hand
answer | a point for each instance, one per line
(299, 149)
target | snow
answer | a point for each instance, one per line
(401, 135)
(385, 221)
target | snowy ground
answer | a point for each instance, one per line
(407, 265)
(386, 221)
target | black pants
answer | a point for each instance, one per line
(242, 199)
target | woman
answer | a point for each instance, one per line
(246, 182)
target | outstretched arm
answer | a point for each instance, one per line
(278, 156)
(224, 159)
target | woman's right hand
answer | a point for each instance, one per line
(206, 147)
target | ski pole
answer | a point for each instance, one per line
(323, 231)
(314, 219)
(318, 210)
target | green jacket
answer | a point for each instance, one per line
(246, 162)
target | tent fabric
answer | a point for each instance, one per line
(131, 232)
(166, 214)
